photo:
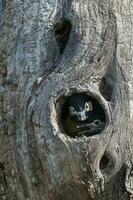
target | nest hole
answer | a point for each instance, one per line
(107, 164)
(104, 162)
(62, 31)
(81, 115)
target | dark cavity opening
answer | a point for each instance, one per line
(106, 89)
(81, 115)
(62, 31)
(2, 173)
(107, 164)
(104, 162)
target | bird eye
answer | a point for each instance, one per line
(72, 110)
(88, 106)
(97, 122)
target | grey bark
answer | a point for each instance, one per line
(39, 65)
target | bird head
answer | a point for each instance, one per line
(80, 107)
(92, 128)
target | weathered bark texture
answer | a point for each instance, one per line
(48, 50)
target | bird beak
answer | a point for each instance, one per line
(89, 126)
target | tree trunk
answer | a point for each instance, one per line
(50, 50)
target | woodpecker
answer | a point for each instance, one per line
(80, 108)
(89, 129)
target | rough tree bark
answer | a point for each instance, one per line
(49, 50)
